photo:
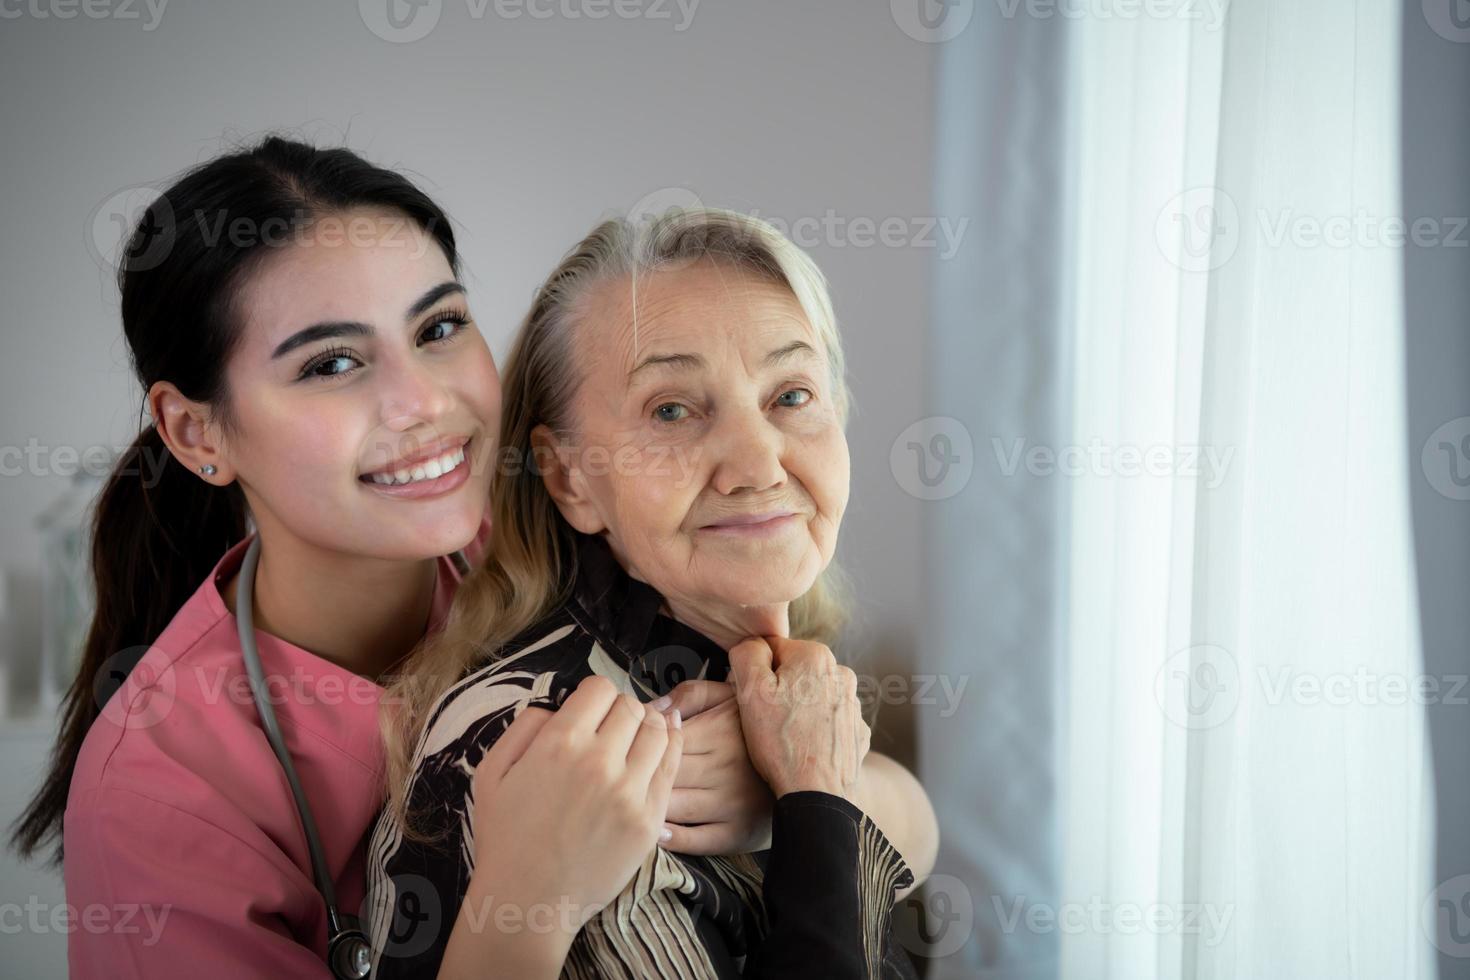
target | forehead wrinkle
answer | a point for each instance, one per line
(733, 278)
(632, 314)
(665, 296)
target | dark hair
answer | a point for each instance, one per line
(158, 529)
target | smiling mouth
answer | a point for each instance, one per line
(752, 524)
(420, 471)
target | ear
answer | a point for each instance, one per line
(187, 431)
(564, 480)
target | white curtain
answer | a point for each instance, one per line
(1244, 774)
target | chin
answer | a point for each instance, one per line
(764, 587)
(433, 538)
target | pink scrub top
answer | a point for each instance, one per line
(182, 840)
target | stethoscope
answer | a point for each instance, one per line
(348, 954)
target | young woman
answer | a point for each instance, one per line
(296, 320)
(679, 388)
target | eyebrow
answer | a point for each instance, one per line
(690, 362)
(792, 350)
(356, 328)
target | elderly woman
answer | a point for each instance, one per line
(676, 395)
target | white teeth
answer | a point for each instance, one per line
(428, 470)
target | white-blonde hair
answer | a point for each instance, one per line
(527, 569)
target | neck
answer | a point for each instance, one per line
(314, 599)
(728, 625)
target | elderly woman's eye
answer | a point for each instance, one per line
(794, 398)
(670, 412)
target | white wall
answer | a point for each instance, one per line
(526, 130)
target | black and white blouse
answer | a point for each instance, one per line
(817, 903)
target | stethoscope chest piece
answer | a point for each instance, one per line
(349, 955)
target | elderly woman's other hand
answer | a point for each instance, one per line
(800, 715)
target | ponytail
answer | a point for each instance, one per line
(157, 531)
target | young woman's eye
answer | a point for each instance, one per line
(443, 327)
(793, 398)
(330, 364)
(670, 412)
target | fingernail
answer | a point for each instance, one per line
(665, 835)
(662, 704)
(678, 722)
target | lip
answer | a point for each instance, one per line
(437, 487)
(431, 451)
(753, 525)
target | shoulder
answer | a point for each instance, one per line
(531, 671)
(184, 715)
(166, 698)
(146, 786)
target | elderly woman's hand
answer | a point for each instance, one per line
(800, 714)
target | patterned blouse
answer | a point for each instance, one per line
(817, 903)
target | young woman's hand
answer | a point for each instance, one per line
(568, 805)
(720, 804)
(800, 715)
(579, 811)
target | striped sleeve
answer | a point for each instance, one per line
(416, 884)
(829, 893)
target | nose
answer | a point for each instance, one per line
(412, 394)
(749, 454)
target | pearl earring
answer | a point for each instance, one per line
(208, 469)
